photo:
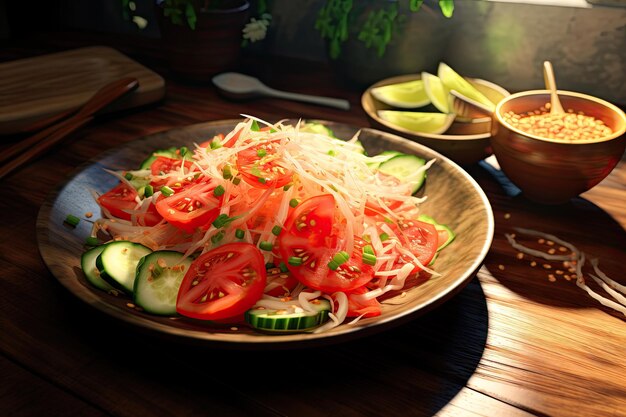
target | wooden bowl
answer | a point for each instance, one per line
(465, 142)
(453, 197)
(552, 171)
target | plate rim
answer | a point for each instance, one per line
(336, 335)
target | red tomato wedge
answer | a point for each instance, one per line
(279, 283)
(194, 206)
(420, 238)
(309, 238)
(163, 165)
(262, 166)
(222, 283)
(121, 199)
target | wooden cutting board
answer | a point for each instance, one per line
(34, 88)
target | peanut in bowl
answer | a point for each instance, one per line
(553, 158)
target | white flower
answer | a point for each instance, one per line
(256, 30)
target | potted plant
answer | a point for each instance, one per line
(204, 37)
(368, 40)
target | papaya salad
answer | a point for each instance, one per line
(280, 227)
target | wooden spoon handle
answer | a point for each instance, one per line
(43, 145)
(550, 81)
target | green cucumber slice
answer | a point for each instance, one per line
(282, 321)
(158, 279)
(118, 263)
(169, 152)
(442, 229)
(404, 167)
(88, 264)
(387, 156)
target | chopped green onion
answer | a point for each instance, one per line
(270, 265)
(183, 150)
(293, 202)
(261, 152)
(276, 230)
(148, 191)
(219, 191)
(286, 187)
(236, 180)
(215, 144)
(166, 191)
(283, 267)
(340, 258)
(368, 249)
(92, 241)
(239, 234)
(369, 259)
(255, 126)
(222, 220)
(332, 153)
(128, 176)
(261, 180)
(265, 245)
(72, 220)
(216, 238)
(226, 172)
(294, 261)
(384, 236)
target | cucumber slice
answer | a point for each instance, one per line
(404, 167)
(445, 233)
(169, 152)
(284, 321)
(382, 157)
(158, 279)
(88, 264)
(118, 263)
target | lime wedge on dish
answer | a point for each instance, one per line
(405, 95)
(453, 81)
(435, 123)
(436, 92)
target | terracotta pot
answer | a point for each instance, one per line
(213, 47)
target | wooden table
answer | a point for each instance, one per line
(512, 342)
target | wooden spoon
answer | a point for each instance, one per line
(548, 76)
(240, 86)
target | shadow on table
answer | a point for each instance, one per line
(579, 222)
(413, 369)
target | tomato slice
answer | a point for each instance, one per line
(262, 167)
(310, 239)
(279, 283)
(193, 206)
(365, 308)
(420, 238)
(121, 199)
(222, 283)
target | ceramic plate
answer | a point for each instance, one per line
(453, 197)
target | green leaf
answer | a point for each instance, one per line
(190, 13)
(415, 5)
(447, 7)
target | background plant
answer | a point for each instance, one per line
(336, 16)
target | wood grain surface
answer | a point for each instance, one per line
(34, 88)
(513, 342)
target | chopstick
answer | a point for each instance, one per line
(34, 146)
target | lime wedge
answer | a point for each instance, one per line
(453, 81)
(435, 123)
(436, 92)
(405, 95)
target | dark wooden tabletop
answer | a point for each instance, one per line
(517, 340)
